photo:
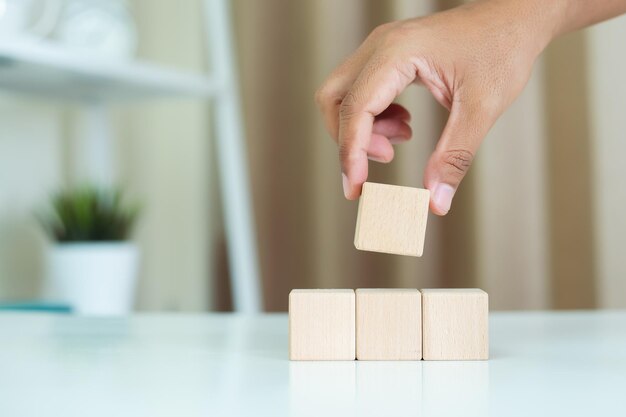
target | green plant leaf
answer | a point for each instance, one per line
(89, 214)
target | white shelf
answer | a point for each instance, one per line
(51, 70)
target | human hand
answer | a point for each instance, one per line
(474, 59)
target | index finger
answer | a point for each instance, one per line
(379, 83)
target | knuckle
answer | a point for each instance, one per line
(344, 152)
(327, 96)
(459, 160)
(396, 35)
(382, 29)
(347, 108)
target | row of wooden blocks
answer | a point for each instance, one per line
(388, 324)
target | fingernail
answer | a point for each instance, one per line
(375, 159)
(346, 184)
(442, 197)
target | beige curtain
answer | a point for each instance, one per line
(305, 226)
(522, 224)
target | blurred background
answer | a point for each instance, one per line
(538, 223)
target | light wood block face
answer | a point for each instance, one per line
(392, 219)
(455, 324)
(388, 324)
(322, 325)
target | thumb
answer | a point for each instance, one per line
(454, 153)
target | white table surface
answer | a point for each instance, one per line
(542, 364)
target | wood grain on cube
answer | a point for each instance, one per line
(388, 324)
(392, 219)
(322, 325)
(455, 324)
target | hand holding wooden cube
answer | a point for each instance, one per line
(389, 324)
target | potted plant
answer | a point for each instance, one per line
(91, 265)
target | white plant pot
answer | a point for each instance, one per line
(94, 278)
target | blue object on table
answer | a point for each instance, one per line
(36, 306)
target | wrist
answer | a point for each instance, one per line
(530, 24)
(541, 21)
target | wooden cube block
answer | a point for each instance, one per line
(322, 325)
(392, 219)
(455, 324)
(388, 324)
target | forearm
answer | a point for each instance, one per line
(537, 22)
(578, 14)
